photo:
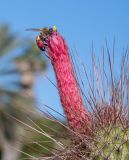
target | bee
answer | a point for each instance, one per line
(42, 39)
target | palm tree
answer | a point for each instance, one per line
(16, 77)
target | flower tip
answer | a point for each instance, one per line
(54, 28)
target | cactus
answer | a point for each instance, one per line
(102, 134)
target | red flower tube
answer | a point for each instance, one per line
(77, 116)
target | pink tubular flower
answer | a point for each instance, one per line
(69, 92)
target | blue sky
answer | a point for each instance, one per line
(80, 22)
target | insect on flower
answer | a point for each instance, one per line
(42, 39)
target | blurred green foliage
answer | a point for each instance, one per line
(38, 145)
(17, 73)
